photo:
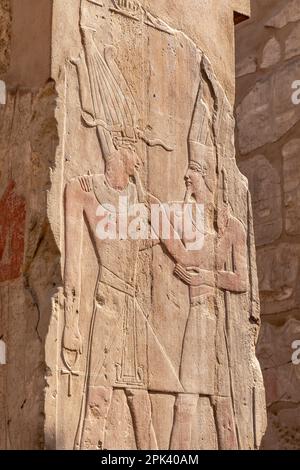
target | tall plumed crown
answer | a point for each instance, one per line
(130, 6)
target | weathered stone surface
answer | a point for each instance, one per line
(281, 378)
(264, 184)
(284, 431)
(5, 35)
(268, 118)
(289, 11)
(131, 342)
(278, 269)
(247, 66)
(27, 260)
(291, 174)
(267, 111)
(292, 43)
(271, 53)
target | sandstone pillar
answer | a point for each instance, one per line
(127, 342)
(268, 124)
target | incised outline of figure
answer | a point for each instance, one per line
(205, 333)
(117, 343)
(117, 355)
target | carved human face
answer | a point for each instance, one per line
(131, 161)
(196, 180)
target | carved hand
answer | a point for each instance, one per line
(194, 276)
(72, 345)
(186, 276)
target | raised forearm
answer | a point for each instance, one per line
(71, 308)
(73, 242)
(231, 281)
(206, 278)
(178, 251)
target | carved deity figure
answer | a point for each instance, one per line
(225, 252)
(117, 340)
(121, 339)
(206, 341)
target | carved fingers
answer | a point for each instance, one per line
(72, 344)
(194, 276)
(186, 276)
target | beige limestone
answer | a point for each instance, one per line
(271, 53)
(5, 34)
(283, 14)
(269, 105)
(282, 384)
(291, 175)
(125, 343)
(247, 66)
(268, 154)
(264, 184)
(292, 43)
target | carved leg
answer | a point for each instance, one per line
(185, 408)
(225, 424)
(140, 409)
(97, 408)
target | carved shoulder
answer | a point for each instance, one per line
(237, 228)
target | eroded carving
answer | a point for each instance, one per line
(117, 345)
(278, 270)
(264, 185)
(129, 8)
(291, 176)
(123, 347)
(134, 10)
(207, 336)
(12, 231)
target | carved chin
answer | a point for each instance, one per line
(189, 192)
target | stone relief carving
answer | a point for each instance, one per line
(278, 271)
(128, 8)
(123, 348)
(264, 185)
(196, 269)
(117, 344)
(291, 175)
(134, 10)
(282, 379)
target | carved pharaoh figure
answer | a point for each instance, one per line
(205, 369)
(122, 342)
(117, 342)
(206, 348)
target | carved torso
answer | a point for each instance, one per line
(117, 256)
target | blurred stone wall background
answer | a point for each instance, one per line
(268, 151)
(5, 34)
